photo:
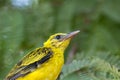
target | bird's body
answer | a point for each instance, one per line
(47, 68)
(44, 63)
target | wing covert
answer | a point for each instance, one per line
(30, 62)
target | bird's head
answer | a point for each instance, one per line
(60, 40)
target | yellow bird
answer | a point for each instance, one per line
(44, 63)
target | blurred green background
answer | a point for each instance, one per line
(94, 54)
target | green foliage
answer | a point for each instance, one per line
(11, 36)
(95, 51)
(90, 68)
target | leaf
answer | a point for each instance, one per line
(90, 69)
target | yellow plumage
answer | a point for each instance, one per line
(43, 63)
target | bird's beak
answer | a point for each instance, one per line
(70, 35)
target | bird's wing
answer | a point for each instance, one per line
(30, 62)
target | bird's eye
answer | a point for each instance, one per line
(58, 37)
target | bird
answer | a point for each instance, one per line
(43, 63)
